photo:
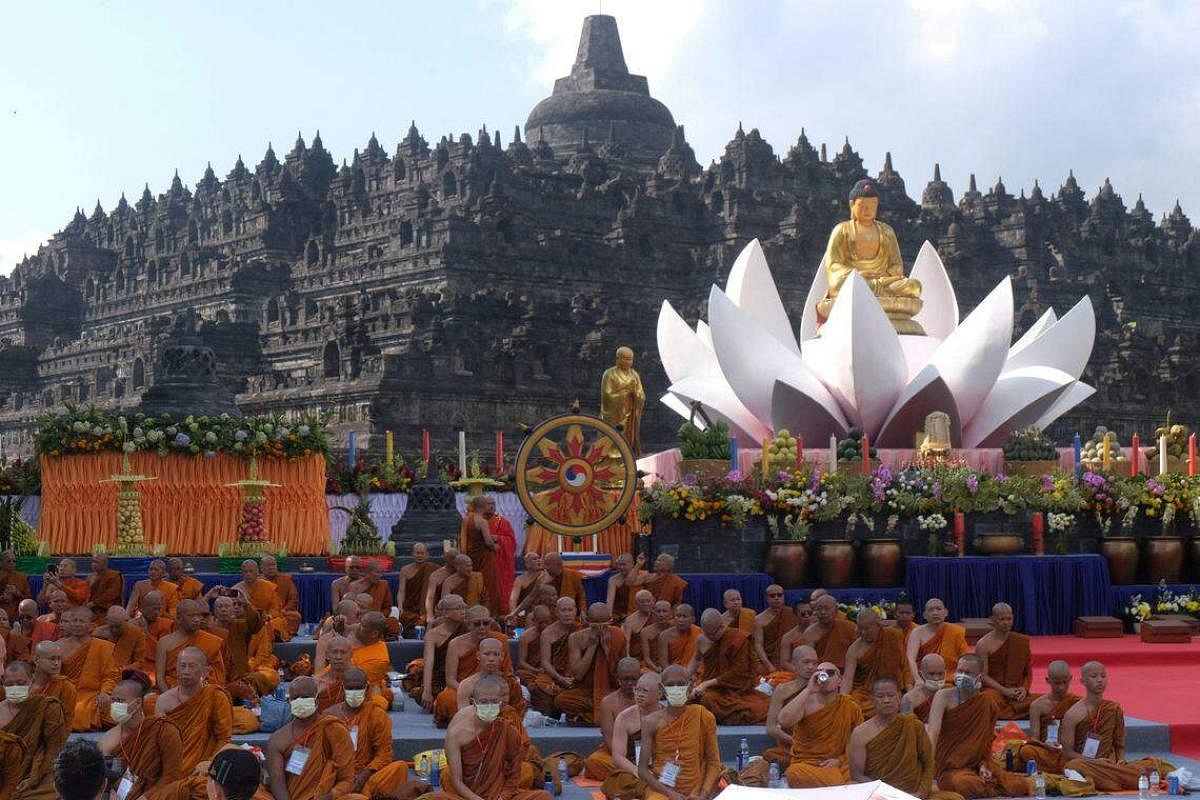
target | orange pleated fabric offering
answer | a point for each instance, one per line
(188, 507)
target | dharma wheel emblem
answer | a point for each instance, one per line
(575, 474)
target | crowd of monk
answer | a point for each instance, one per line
(170, 675)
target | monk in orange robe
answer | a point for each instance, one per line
(737, 616)
(931, 680)
(88, 663)
(639, 616)
(462, 660)
(129, 640)
(620, 594)
(555, 659)
(663, 583)
(289, 620)
(331, 680)
(155, 625)
(662, 620)
(593, 655)
(46, 627)
(238, 622)
(48, 679)
(1093, 738)
(962, 725)
(937, 636)
(726, 658)
(376, 773)
(1007, 665)
(464, 582)
(410, 594)
(41, 725)
(821, 719)
(905, 615)
(149, 746)
(373, 585)
(369, 653)
(484, 751)
(829, 635)
(1045, 720)
(677, 644)
(620, 765)
(491, 656)
(806, 661)
(529, 645)
(156, 582)
(877, 653)
(566, 582)
(483, 547)
(769, 628)
(105, 586)
(189, 588)
(523, 595)
(202, 711)
(795, 636)
(14, 587)
(682, 734)
(428, 673)
(313, 755)
(259, 591)
(599, 764)
(76, 589)
(189, 632)
(13, 643)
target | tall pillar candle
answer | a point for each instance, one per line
(462, 452)
(832, 454)
(389, 448)
(352, 450)
(1192, 455)
(733, 453)
(1078, 444)
(1134, 447)
(1038, 527)
(499, 450)
(425, 445)
(1106, 456)
(960, 532)
(1162, 455)
(799, 452)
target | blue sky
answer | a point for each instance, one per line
(100, 97)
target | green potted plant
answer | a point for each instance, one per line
(1029, 452)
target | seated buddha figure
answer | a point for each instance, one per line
(867, 246)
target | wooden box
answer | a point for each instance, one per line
(976, 627)
(1099, 628)
(1192, 623)
(1166, 631)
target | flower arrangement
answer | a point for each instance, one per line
(20, 477)
(883, 609)
(1136, 610)
(1059, 524)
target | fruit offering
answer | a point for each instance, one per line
(850, 448)
(782, 451)
(252, 529)
(1177, 439)
(130, 536)
(1093, 449)
(1029, 444)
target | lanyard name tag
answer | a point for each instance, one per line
(297, 760)
(126, 784)
(670, 774)
(354, 736)
(1091, 746)
(1052, 733)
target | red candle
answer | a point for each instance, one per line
(425, 444)
(960, 532)
(1192, 455)
(1134, 446)
(866, 455)
(1039, 532)
(499, 450)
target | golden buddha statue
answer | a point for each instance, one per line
(622, 398)
(867, 246)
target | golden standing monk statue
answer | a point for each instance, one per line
(867, 246)
(622, 398)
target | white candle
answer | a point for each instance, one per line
(462, 453)
(1162, 455)
(832, 454)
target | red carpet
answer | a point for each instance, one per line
(1155, 682)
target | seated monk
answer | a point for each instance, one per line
(312, 756)
(14, 586)
(434, 590)
(46, 627)
(566, 582)
(77, 590)
(432, 669)
(464, 582)
(679, 755)
(462, 660)
(376, 588)
(962, 725)
(258, 590)
(106, 586)
(523, 595)
(369, 653)
(622, 780)
(830, 635)
(663, 583)
(376, 772)
(619, 597)
(638, 618)
(937, 636)
(155, 625)
(1045, 717)
(48, 679)
(331, 681)
(727, 659)
(189, 632)
(795, 636)
(42, 726)
(805, 659)
(150, 747)
(737, 616)
(200, 710)
(490, 658)
(677, 644)
(485, 751)
(893, 747)
(1093, 738)
(189, 588)
(410, 594)
(919, 699)
(156, 582)
(529, 645)
(593, 655)
(342, 622)
(1007, 665)
(238, 621)
(555, 659)
(23, 625)
(288, 623)
(600, 763)
(821, 719)
(129, 640)
(479, 541)
(769, 629)
(877, 653)
(905, 615)
(662, 620)
(339, 588)
(88, 663)
(546, 595)
(13, 643)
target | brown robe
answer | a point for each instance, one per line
(1049, 759)
(681, 649)
(773, 631)
(569, 583)
(733, 699)
(544, 690)
(108, 590)
(667, 587)
(1011, 665)
(155, 759)
(965, 743)
(21, 584)
(330, 766)
(900, 755)
(819, 737)
(582, 700)
(485, 561)
(833, 645)
(130, 649)
(412, 604)
(491, 766)
(884, 659)
(289, 605)
(1110, 728)
(42, 725)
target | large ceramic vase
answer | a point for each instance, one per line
(882, 560)
(999, 544)
(835, 563)
(1122, 555)
(1164, 558)
(787, 563)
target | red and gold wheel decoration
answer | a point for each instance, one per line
(575, 475)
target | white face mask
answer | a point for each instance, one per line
(933, 686)
(355, 697)
(966, 683)
(676, 695)
(304, 707)
(120, 712)
(487, 711)
(16, 694)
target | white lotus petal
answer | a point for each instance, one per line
(680, 349)
(1035, 330)
(719, 402)
(939, 314)
(863, 363)
(752, 288)
(1076, 393)
(1066, 344)
(752, 360)
(971, 358)
(816, 293)
(792, 408)
(681, 408)
(704, 332)
(1019, 398)
(925, 394)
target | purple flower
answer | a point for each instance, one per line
(937, 490)
(972, 482)
(1093, 479)
(1001, 478)
(1047, 484)
(734, 475)
(883, 474)
(1155, 487)
(182, 439)
(814, 481)
(689, 480)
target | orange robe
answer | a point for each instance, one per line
(900, 755)
(964, 743)
(491, 766)
(544, 690)
(486, 562)
(371, 734)
(733, 698)
(950, 643)
(330, 766)
(265, 597)
(43, 726)
(691, 742)
(375, 660)
(189, 588)
(62, 689)
(412, 604)
(16, 647)
(473, 592)
(1110, 727)
(634, 637)
(833, 645)
(680, 649)
(45, 629)
(93, 670)
(1049, 759)
(1011, 665)
(20, 585)
(12, 756)
(155, 631)
(819, 737)
(212, 646)
(884, 659)
(264, 666)
(772, 638)
(744, 621)
(205, 720)
(332, 691)
(569, 583)
(533, 657)
(666, 587)
(77, 591)
(130, 649)
(445, 704)
(289, 605)
(582, 699)
(170, 595)
(154, 759)
(381, 596)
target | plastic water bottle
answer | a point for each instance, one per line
(1154, 779)
(743, 754)
(435, 772)
(548, 785)
(563, 774)
(774, 783)
(1143, 787)
(1039, 786)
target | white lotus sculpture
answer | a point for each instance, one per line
(747, 367)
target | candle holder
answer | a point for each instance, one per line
(131, 539)
(252, 539)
